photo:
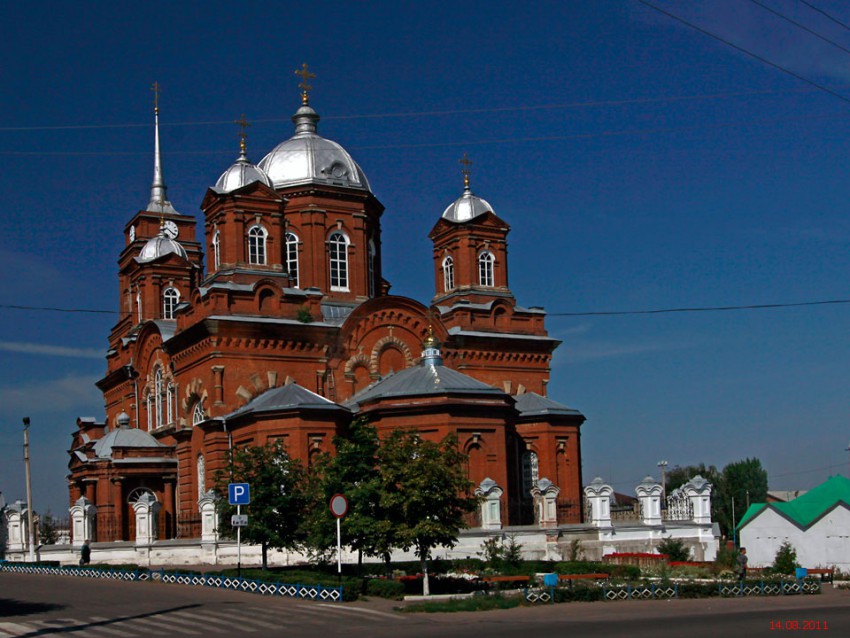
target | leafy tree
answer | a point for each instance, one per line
(675, 549)
(425, 492)
(278, 499)
(742, 482)
(785, 561)
(48, 531)
(354, 473)
(681, 474)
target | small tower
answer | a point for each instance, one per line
(470, 250)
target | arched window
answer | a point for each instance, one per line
(373, 255)
(216, 246)
(338, 249)
(198, 413)
(202, 476)
(157, 397)
(530, 473)
(292, 257)
(485, 268)
(170, 299)
(257, 236)
(448, 273)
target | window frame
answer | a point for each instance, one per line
(338, 244)
(291, 242)
(258, 245)
(486, 269)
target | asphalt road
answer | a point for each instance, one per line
(32, 605)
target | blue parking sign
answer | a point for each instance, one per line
(239, 493)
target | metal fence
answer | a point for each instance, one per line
(290, 590)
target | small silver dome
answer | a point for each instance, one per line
(307, 158)
(241, 173)
(160, 245)
(466, 207)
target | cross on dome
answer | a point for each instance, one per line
(243, 124)
(305, 76)
(466, 162)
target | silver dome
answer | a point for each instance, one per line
(307, 158)
(241, 173)
(159, 246)
(466, 207)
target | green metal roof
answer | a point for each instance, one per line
(806, 509)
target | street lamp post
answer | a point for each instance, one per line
(663, 466)
(29, 489)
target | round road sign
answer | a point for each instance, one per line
(339, 505)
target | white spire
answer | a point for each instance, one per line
(159, 200)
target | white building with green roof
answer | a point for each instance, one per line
(817, 524)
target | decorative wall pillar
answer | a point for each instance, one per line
(83, 516)
(491, 507)
(698, 490)
(16, 526)
(598, 495)
(218, 384)
(170, 513)
(117, 510)
(147, 511)
(209, 517)
(649, 495)
(545, 495)
(90, 489)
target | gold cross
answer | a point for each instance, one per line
(155, 89)
(243, 124)
(465, 170)
(305, 76)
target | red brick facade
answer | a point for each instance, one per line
(293, 293)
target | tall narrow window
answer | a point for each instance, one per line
(485, 268)
(338, 249)
(157, 397)
(373, 255)
(216, 246)
(448, 273)
(170, 299)
(170, 402)
(139, 305)
(292, 257)
(150, 412)
(257, 245)
(202, 476)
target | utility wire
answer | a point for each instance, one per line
(825, 14)
(800, 25)
(405, 114)
(597, 313)
(764, 60)
(467, 143)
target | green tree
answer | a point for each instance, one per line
(785, 561)
(675, 549)
(425, 492)
(353, 472)
(278, 498)
(48, 531)
(681, 474)
(741, 483)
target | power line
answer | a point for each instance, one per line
(764, 60)
(825, 14)
(405, 114)
(596, 313)
(466, 143)
(800, 25)
(698, 309)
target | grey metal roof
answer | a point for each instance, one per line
(466, 207)
(496, 335)
(337, 313)
(124, 437)
(166, 328)
(271, 320)
(159, 246)
(532, 404)
(422, 380)
(308, 158)
(241, 173)
(291, 396)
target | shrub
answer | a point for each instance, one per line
(385, 588)
(624, 572)
(580, 593)
(476, 603)
(785, 561)
(675, 549)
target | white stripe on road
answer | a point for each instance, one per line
(15, 629)
(159, 624)
(361, 610)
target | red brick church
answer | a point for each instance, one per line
(290, 333)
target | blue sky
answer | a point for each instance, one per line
(641, 164)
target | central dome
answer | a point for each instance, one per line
(308, 158)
